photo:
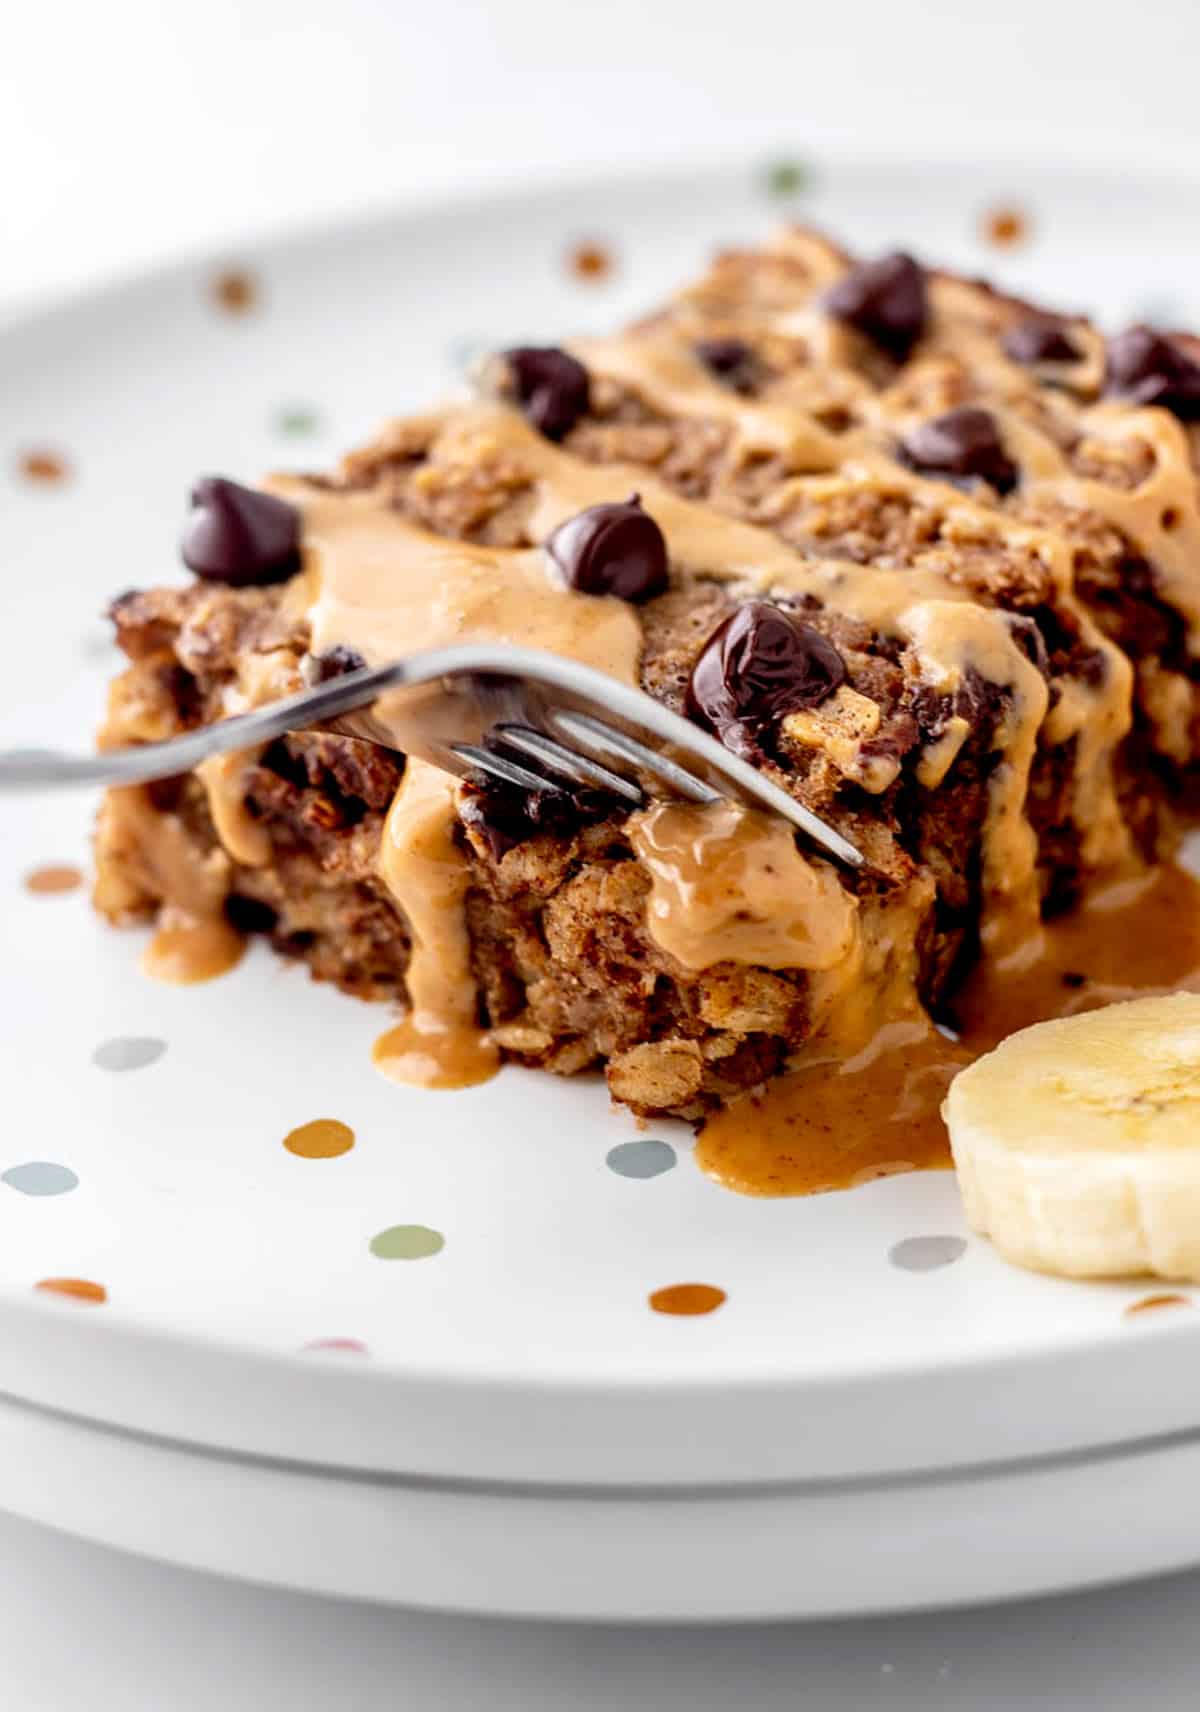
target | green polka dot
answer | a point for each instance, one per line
(787, 178)
(407, 1242)
(297, 420)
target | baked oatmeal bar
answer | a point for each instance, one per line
(921, 552)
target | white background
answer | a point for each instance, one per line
(132, 129)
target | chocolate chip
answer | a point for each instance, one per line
(335, 662)
(1040, 339)
(611, 549)
(239, 536)
(961, 444)
(885, 300)
(1148, 368)
(732, 361)
(503, 816)
(551, 386)
(1073, 978)
(757, 666)
(249, 915)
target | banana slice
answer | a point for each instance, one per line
(1077, 1142)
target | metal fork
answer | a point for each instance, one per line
(531, 720)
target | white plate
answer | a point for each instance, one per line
(525, 1349)
(820, 1548)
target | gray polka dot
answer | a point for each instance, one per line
(128, 1052)
(641, 1158)
(927, 1253)
(40, 1177)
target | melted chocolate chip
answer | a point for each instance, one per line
(333, 663)
(1149, 368)
(1040, 339)
(732, 361)
(551, 386)
(611, 549)
(239, 536)
(961, 444)
(885, 300)
(757, 666)
(504, 816)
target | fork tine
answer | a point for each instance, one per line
(499, 767)
(600, 737)
(567, 763)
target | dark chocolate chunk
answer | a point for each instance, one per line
(1147, 367)
(757, 666)
(732, 361)
(611, 549)
(239, 536)
(961, 444)
(1040, 339)
(334, 663)
(504, 816)
(885, 300)
(249, 915)
(551, 386)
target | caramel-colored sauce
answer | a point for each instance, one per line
(834, 1125)
(424, 1053)
(836, 1122)
(186, 949)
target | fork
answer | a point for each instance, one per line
(531, 720)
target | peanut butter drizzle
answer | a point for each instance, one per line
(730, 885)
(439, 1044)
(839, 1123)
(224, 779)
(193, 941)
(844, 1116)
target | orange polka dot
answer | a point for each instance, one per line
(590, 260)
(235, 291)
(42, 465)
(687, 1299)
(82, 1289)
(323, 1138)
(1005, 227)
(1147, 1304)
(54, 877)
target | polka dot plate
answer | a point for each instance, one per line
(218, 1224)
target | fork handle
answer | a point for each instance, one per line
(53, 769)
